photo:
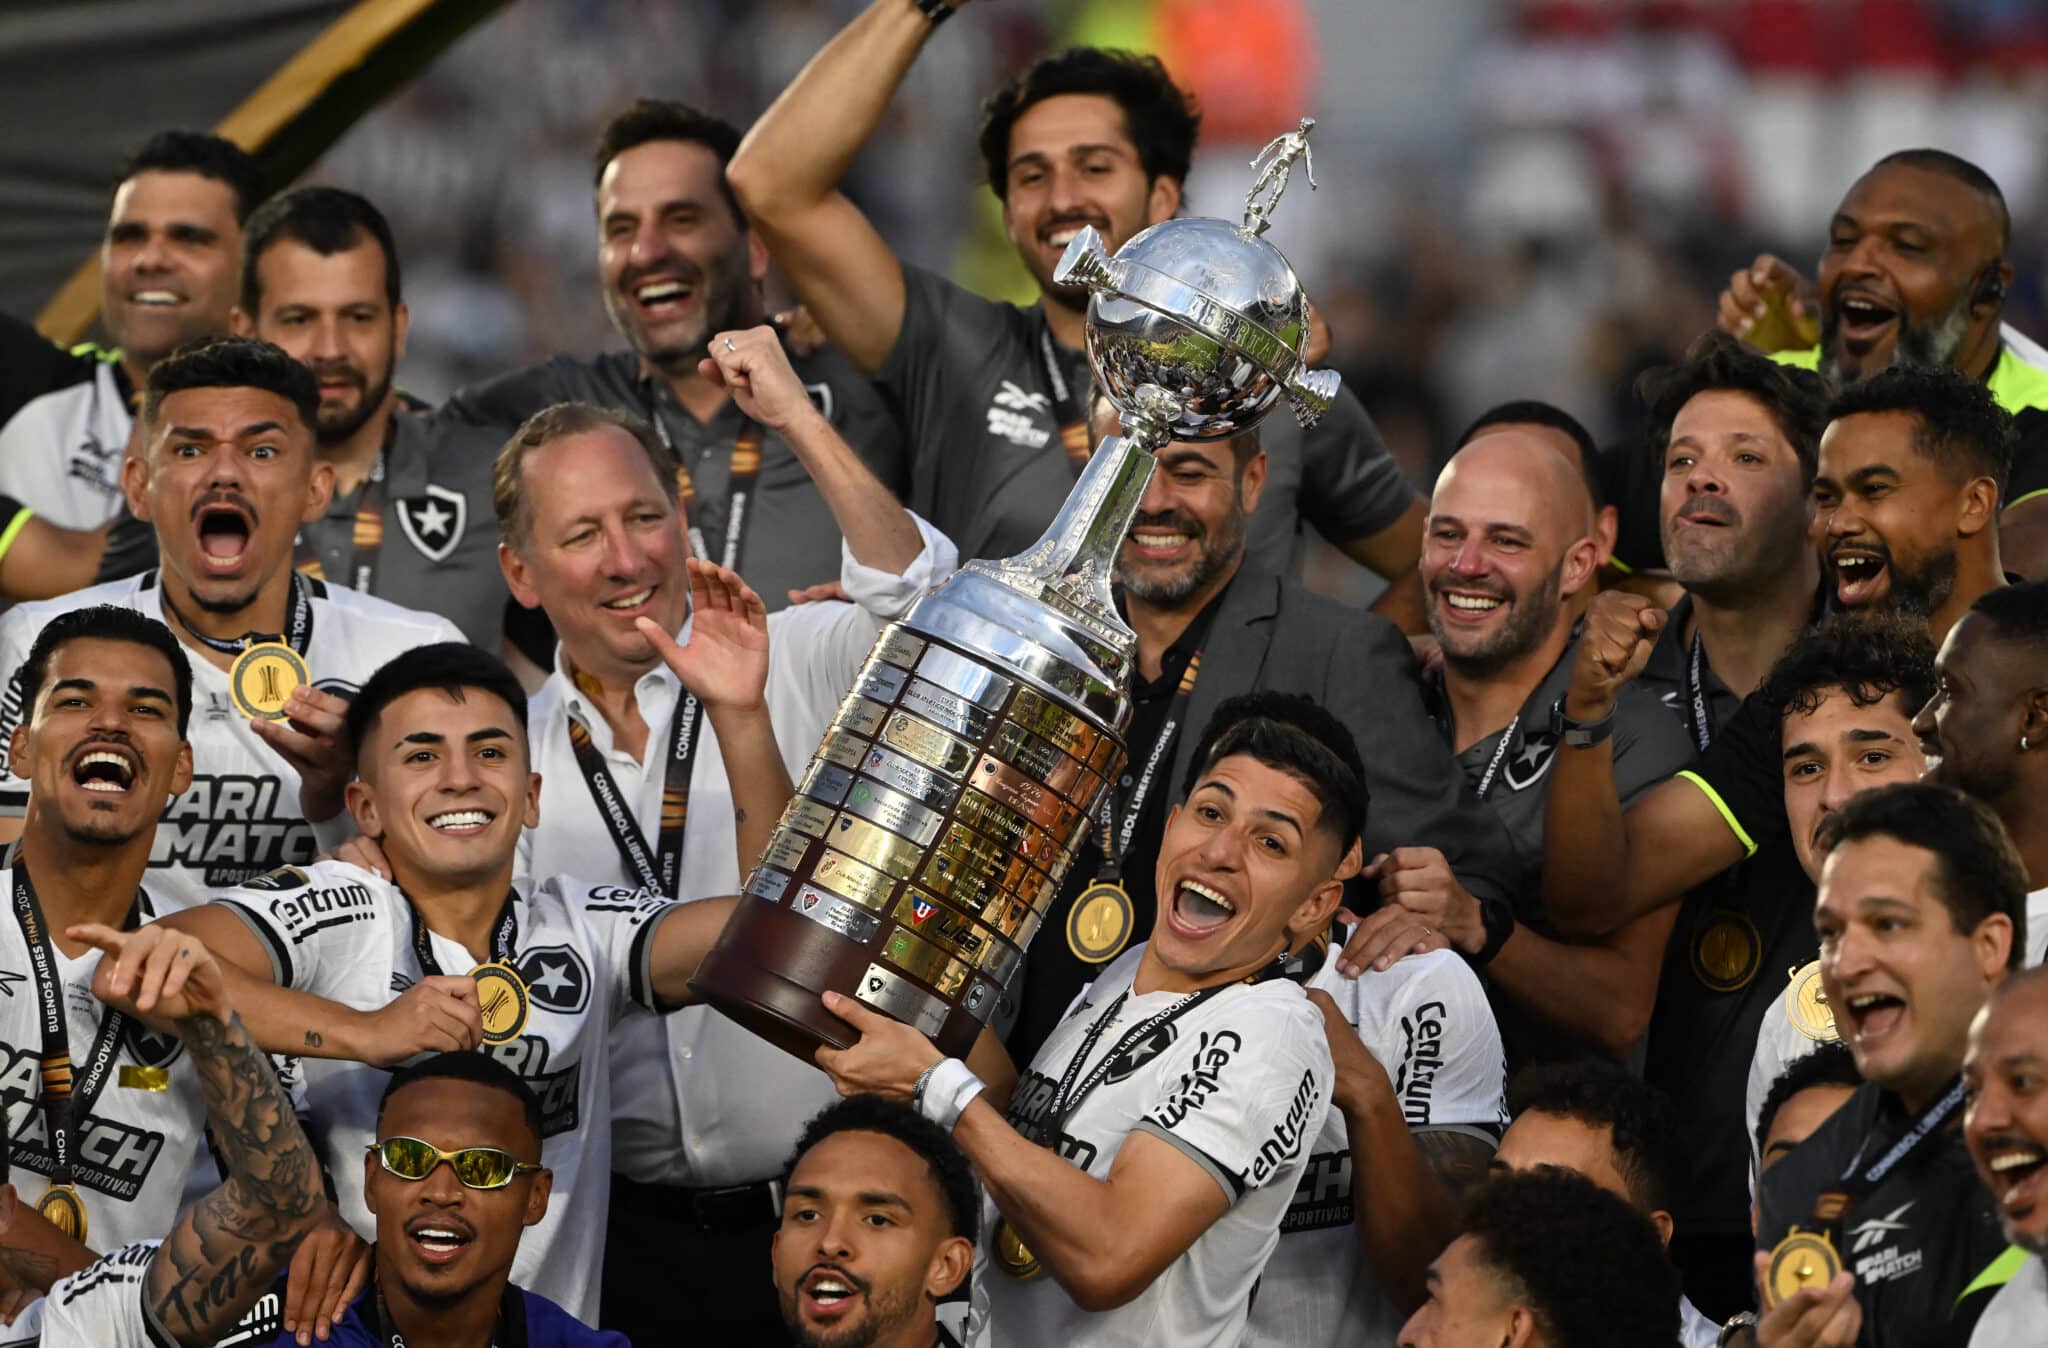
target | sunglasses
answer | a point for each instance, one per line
(477, 1167)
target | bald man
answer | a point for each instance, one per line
(1511, 543)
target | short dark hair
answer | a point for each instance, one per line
(647, 120)
(1979, 871)
(1160, 117)
(1294, 734)
(1796, 399)
(1963, 171)
(231, 362)
(328, 220)
(926, 1140)
(1535, 412)
(1829, 1064)
(1962, 428)
(472, 1066)
(2016, 613)
(1590, 1267)
(508, 475)
(106, 622)
(207, 155)
(1870, 659)
(450, 666)
(1649, 1149)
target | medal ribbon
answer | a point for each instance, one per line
(64, 1108)
(1500, 756)
(746, 466)
(1114, 848)
(504, 936)
(297, 634)
(366, 535)
(1857, 1182)
(1695, 688)
(660, 868)
(1066, 408)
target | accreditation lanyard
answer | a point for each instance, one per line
(366, 534)
(1858, 1181)
(504, 936)
(298, 633)
(1115, 843)
(64, 1109)
(1066, 408)
(659, 868)
(746, 466)
(508, 1332)
(1696, 697)
(1500, 756)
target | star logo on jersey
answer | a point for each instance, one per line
(433, 523)
(821, 398)
(9, 981)
(152, 1048)
(556, 979)
(1140, 1053)
(1526, 765)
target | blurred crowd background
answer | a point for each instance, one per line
(1517, 197)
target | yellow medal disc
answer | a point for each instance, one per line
(1806, 1005)
(62, 1208)
(263, 677)
(502, 994)
(1012, 1255)
(1726, 951)
(1801, 1260)
(1099, 924)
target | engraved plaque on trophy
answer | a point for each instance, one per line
(931, 830)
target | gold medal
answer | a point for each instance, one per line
(1806, 1005)
(62, 1208)
(139, 1078)
(263, 677)
(1801, 1260)
(501, 992)
(1012, 1255)
(1099, 924)
(1726, 951)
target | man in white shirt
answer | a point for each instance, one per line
(538, 971)
(1137, 1183)
(227, 473)
(2006, 1126)
(634, 791)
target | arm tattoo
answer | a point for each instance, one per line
(1458, 1160)
(229, 1247)
(313, 1039)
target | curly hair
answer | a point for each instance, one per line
(927, 1141)
(1160, 118)
(1830, 1064)
(1796, 399)
(1641, 1125)
(1870, 659)
(1962, 428)
(1588, 1266)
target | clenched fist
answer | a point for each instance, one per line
(1771, 306)
(1614, 645)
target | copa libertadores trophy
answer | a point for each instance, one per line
(931, 830)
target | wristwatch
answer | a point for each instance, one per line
(1732, 1332)
(1578, 734)
(937, 11)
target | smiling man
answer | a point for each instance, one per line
(1920, 914)
(994, 394)
(226, 476)
(2006, 1126)
(880, 1215)
(1137, 1183)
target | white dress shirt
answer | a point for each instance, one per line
(698, 1101)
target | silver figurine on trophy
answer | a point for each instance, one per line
(932, 828)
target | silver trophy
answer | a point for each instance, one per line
(932, 828)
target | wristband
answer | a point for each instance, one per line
(944, 1091)
(1498, 919)
(16, 517)
(1579, 734)
(935, 12)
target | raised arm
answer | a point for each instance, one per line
(788, 170)
(227, 1249)
(879, 532)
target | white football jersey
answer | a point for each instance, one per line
(347, 935)
(1427, 1022)
(130, 1158)
(1240, 1083)
(240, 817)
(61, 453)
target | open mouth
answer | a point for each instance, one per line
(462, 822)
(1467, 605)
(627, 603)
(1859, 576)
(224, 532)
(2016, 1166)
(664, 296)
(1199, 909)
(830, 1292)
(156, 298)
(1057, 237)
(437, 1240)
(105, 771)
(1873, 1015)
(1861, 317)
